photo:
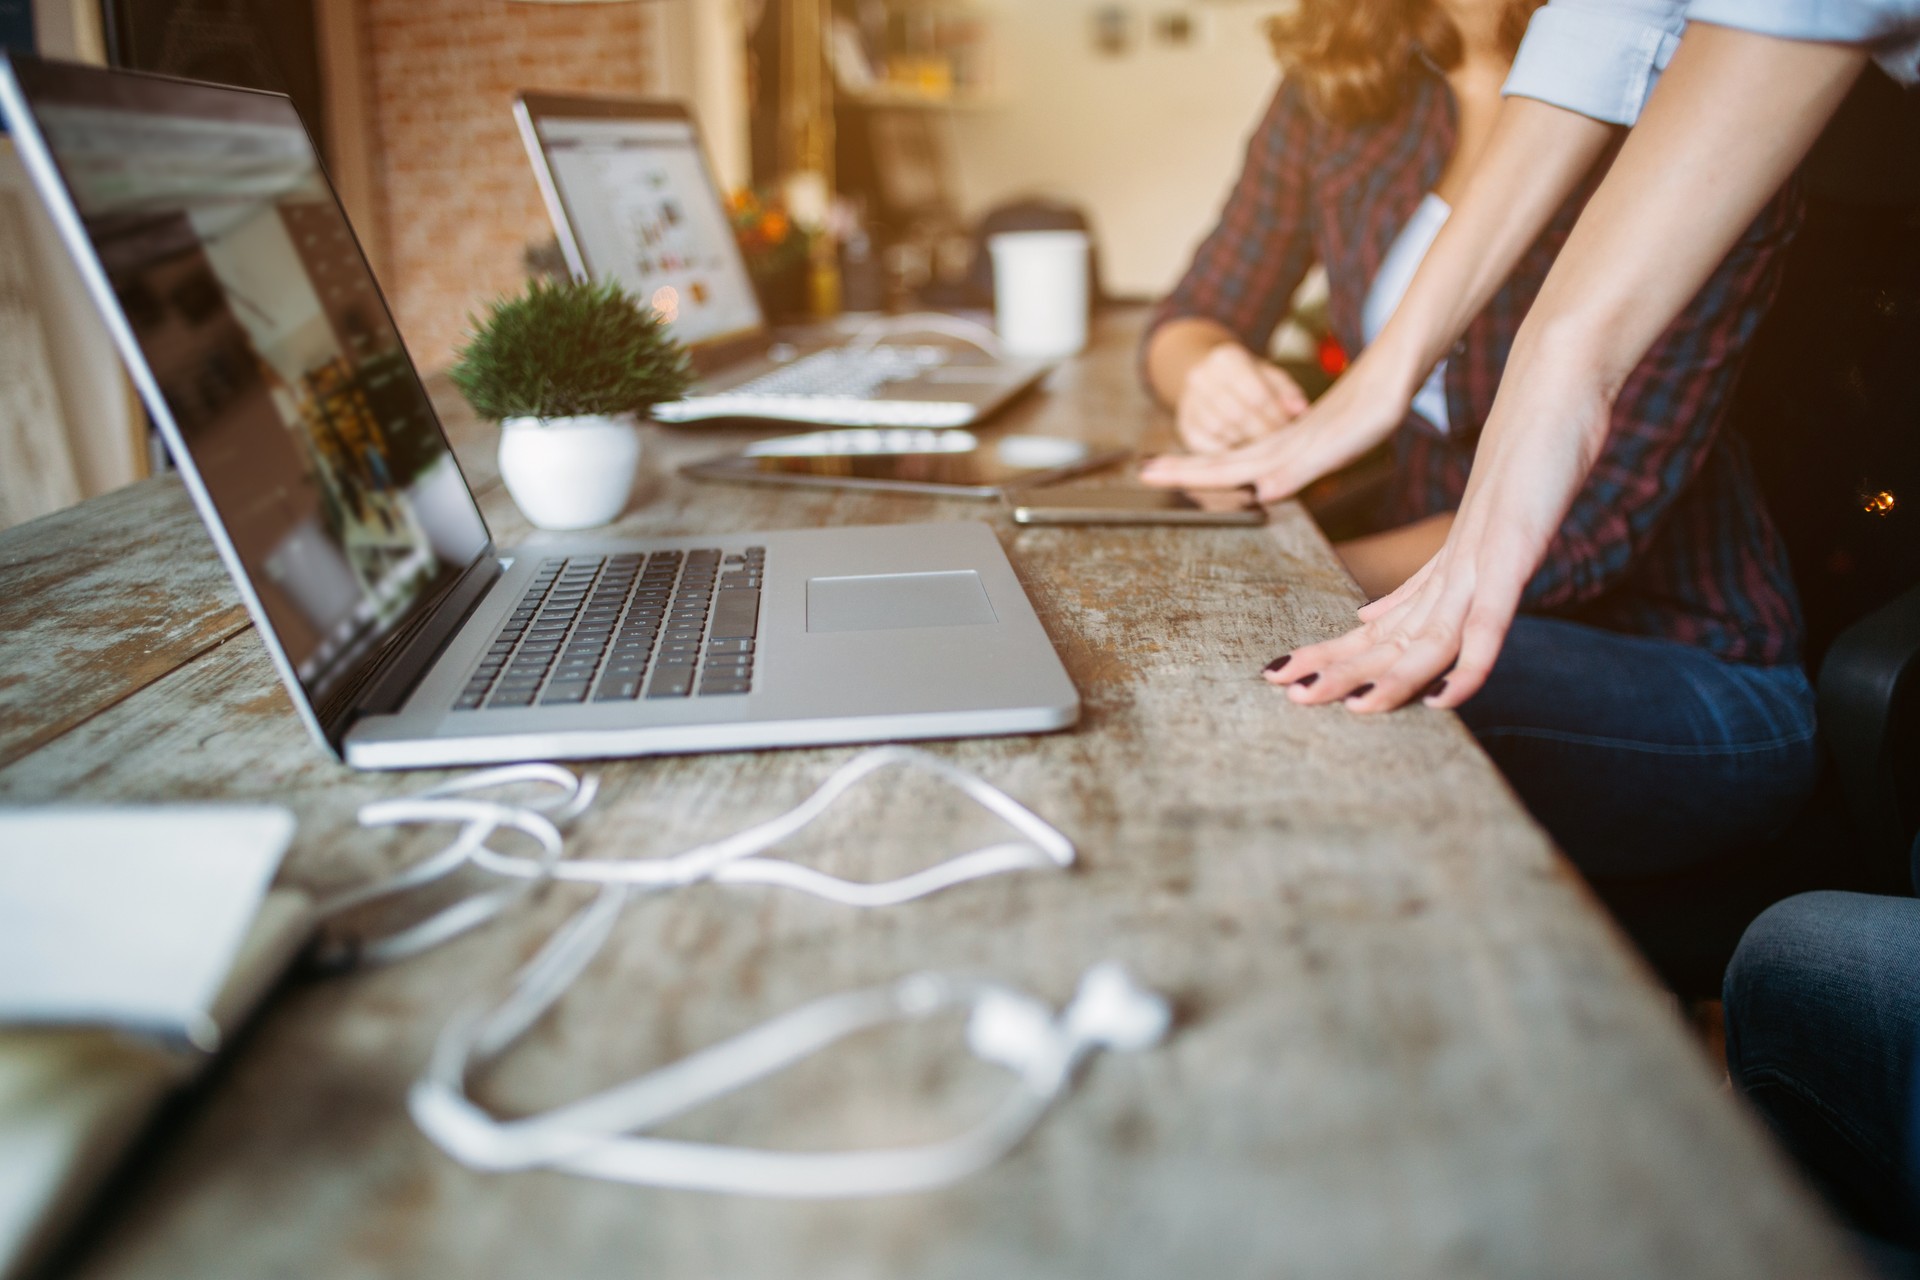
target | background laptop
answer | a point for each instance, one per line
(632, 199)
(226, 270)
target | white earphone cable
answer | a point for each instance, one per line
(731, 860)
(602, 1136)
(594, 1136)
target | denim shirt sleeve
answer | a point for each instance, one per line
(1600, 58)
(1890, 28)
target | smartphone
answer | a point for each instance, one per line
(1136, 506)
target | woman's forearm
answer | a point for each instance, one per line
(1536, 156)
(1731, 119)
(1175, 348)
(1726, 127)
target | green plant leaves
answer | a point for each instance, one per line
(561, 349)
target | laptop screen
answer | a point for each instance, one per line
(272, 350)
(643, 210)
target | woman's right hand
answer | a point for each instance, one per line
(1364, 407)
(1232, 397)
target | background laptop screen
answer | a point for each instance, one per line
(644, 212)
(275, 355)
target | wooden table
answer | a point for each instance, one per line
(1409, 1042)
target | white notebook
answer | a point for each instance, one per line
(130, 917)
(125, 936)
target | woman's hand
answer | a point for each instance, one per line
(1233, 396)
(1437, 636)
(1360, 410)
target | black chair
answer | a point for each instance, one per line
(1830, 410)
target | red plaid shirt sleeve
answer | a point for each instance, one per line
(1245, 272)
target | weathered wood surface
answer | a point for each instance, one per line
(1409, 1043)
(101, 600)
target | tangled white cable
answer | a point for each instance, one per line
(596, 1136)
(538, 818)
(593, 1136)
(732, 860)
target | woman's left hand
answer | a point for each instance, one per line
(1437, 636)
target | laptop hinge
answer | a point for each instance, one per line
(387, 689)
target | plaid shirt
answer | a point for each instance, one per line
(1669, 537)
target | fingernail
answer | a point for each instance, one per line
(1306, 682)
(1361, 692)
(1435, 689)
(1279, 662)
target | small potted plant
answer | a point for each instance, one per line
(566, 369)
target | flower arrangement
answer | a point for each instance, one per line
(772, 242)
(778, 250)
(561, 349)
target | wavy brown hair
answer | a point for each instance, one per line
(1351, 56)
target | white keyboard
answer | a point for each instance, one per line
(840, 386)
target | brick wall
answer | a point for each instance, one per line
(457, 196)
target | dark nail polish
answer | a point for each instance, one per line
(1279, 662)
(1306, 682)
(1435, 689)
(1361, 692)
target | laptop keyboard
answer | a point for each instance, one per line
(593, 629)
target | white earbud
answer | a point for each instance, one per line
(1115, 1012)
(1011, 1030)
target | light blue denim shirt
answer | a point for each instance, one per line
(1602, 57)
(1597, 57)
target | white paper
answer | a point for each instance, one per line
(129, 917)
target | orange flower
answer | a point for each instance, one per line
(774, 226)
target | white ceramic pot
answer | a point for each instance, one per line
(570, 473)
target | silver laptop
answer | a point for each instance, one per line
(226, 270)
(632, 199)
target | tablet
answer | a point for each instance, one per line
(952, 463)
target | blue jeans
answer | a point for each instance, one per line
(1823, 1036)
(1642, 756)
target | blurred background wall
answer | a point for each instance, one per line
(1146, 138)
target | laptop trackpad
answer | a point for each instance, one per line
(894, 601)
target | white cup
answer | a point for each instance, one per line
(1040, 289)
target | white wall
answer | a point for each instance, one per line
(1147, 142)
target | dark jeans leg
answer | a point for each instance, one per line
(1823, 1028)
(1643, 756)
